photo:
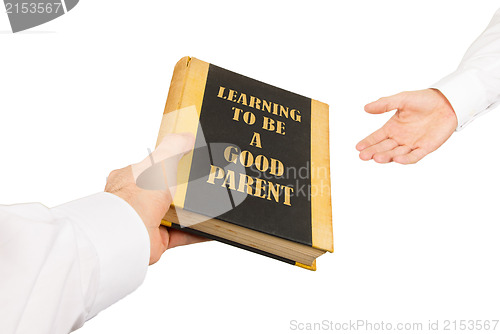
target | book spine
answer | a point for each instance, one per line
(321, 204)
(176, 90)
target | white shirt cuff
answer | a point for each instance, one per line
(466, 94)
(121, 242)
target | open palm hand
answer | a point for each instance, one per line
(423, 121)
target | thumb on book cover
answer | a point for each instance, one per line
(159, 170)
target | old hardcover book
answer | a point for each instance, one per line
(259, 176)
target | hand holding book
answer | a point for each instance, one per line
(152, 205)
(259, 177)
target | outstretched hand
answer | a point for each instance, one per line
(152, 205)
(423, 121)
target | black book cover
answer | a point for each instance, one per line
(261, 158)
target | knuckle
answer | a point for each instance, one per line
(114, 181)
(114, 174)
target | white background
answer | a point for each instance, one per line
(84, 94)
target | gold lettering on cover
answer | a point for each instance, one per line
(212, 176)
(270, 124)
(231, 157)
(255, 102)
(288, 191)
(256, 140)
(263, 188)
(275, 108)
(259, 187)
(245, 181)
(280, 127)
(221, 92)
(277, 167)
(242, 99)
(295, 115)
(229, 180)
(249, 118)
(231, 96)
(246, 158)
(261, 163)
(283, 111)
(259, 104)
(271, 190)
(247, 184)
(236, 116)
(266, 106)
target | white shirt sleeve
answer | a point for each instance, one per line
(474, 87)
(59, 267)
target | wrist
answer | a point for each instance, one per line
(445, 107)
(466, 93)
